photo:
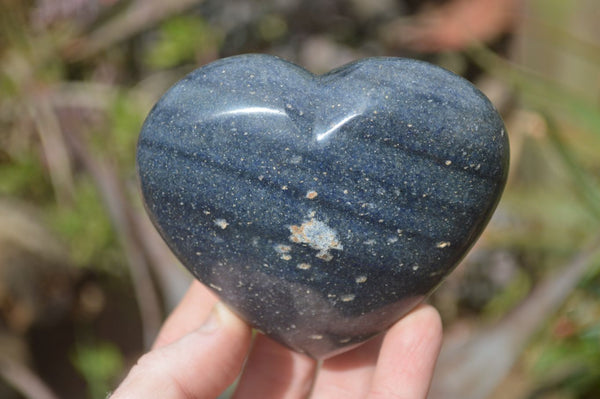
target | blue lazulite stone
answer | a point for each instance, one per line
(321, 209)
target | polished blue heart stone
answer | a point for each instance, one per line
(321, 209)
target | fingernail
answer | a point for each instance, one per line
(212, 322)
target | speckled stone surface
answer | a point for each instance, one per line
(321, 209)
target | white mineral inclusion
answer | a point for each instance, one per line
(222, 223)
(348, 297)
(317, 235)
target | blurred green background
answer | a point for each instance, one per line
(85, 281)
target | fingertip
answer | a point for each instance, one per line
(421, 330)
(425, 317)
(230, 340)
(229, 318)
(203, 363)
(191, 313)
(274, 371)
(408, 355)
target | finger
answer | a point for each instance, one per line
(191, 312)
(408, 355)
(202, 364)
(273, 371)
(348, 375)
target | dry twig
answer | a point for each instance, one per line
(25, 381)
(139, 16)
(173, 281)
(120, 213)
(55, 152)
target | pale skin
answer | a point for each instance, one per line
(202, 348)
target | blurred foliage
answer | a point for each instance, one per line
(555, 195)
(125, 118)
(182, 40)
(550, 209)
(272, 27)
(568, 356)
(509, 297)
(99, 364)
(24, 177)
(86, 230)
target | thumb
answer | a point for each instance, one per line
(201, 364)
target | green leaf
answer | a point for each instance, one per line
(99, 364)
(182, 39)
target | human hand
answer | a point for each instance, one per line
(202, 347)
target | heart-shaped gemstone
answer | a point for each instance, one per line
(321, 209)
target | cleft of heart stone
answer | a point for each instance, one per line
(321, 209)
